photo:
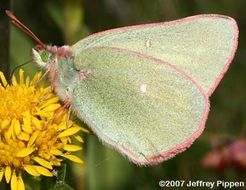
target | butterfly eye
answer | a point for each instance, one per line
(45, 55)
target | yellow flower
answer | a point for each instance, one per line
(34, 135)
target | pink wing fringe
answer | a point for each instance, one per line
(228, 63)
(161, 156)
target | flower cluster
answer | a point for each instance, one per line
(35, 131)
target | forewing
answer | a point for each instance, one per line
(202, 46)
(145, 108)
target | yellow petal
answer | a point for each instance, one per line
(62, 126)
(26, 127)
(36, 78)
(64, 140)
(50, 101)
(21, 75)
(24, 152)
(73, 158)
(51, 107)
(27, 81)
(69, 132)
(36, 122)
(14, 81)
(7, 174)
(43, 171)
(82, 128)
(43, 162)
(3, 79)
(5, 123)
(27, 122)
(57, 162)
(9, 132)
(24, 136)
(14, 182)
(1, 174)
(26, 114)
(72, 148)
(44, 114)
(79, 138)
(68, 123)
(56, 152)
(21, 185)
(17, 128)
(33, 138)
(31, 170)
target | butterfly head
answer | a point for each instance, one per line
(42, 57)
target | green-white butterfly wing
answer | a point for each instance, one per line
(144, 107)
(202, 46)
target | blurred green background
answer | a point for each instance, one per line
(65, 22)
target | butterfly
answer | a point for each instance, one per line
(143, 90)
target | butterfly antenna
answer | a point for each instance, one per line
(23, 28)
(17, 67)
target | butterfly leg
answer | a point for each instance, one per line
(66, 104)
(49, 91)
(42, 77)
(68, 115)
